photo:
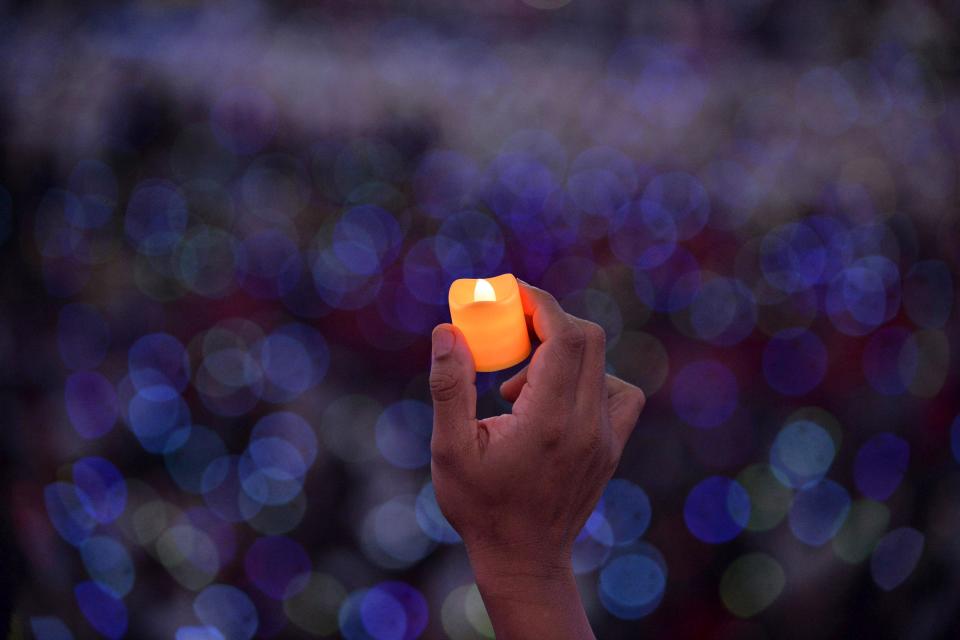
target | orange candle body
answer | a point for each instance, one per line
(490, 315)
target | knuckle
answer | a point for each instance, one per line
(551, 436)
(639, 400)
(444, 385)
(594, 334)
(573, 338)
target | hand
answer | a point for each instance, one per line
(519, 487)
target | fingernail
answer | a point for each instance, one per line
(442, 342)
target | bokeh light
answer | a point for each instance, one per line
(104, 612)
(801, 454)
(156, 217)
(890, 360)
(865, 524)
(403, 433)
(626, 511)
(880, 465)
(69, 512)
(632, 584)
(431, 519)
(770, 499)
(159, 359)
(108, 563)
(751, 583)
(227, 609)
(91, 403)
(818, 512)
(895, 557)
(391, 535)
(49, 628)
(717, 509)
(315, 608)
(228, 231)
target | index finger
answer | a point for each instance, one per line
(625, 403)
(548, 319)
(555, 367)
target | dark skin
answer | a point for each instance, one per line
(519, 487)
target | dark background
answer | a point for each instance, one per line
(697, 177)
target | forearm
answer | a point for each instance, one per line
(532, 602)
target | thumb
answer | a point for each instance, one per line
(454, 392)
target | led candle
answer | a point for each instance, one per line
(489, 313)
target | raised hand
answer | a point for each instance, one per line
(519, 487)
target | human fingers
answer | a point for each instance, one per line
(591, 383)
(554, 370)
(454, 392)
(625, 402)
(511, 387)
(591, 371)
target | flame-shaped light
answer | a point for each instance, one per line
(483, 292)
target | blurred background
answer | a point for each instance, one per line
(228, 227)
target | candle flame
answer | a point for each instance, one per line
(483, 292)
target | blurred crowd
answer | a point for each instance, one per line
(228, 228)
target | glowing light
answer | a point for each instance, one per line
(495, 331)
(483, 292)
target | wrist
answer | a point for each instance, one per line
(526, 579)
(530, 597)
(512, 567)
